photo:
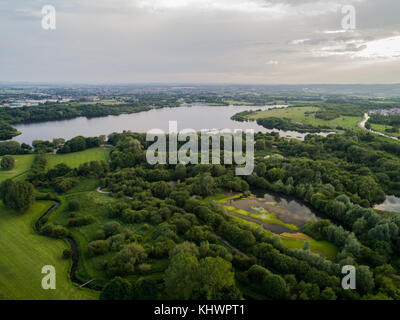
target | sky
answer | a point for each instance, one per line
(201, 41)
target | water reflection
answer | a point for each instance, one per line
(197, 116)
(392, 203)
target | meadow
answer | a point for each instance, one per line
(75, 159)
(306, 115)
(22, 165)
(23, 254)
(381, 128)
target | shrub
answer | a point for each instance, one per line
(7, 163)
(111, 228)
(67, 253)
(144, 268)
(98, 247)
(74, 205)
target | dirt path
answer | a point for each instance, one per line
(364, 122)
(105, 192)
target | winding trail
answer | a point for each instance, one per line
(106, 192)
(364, 122)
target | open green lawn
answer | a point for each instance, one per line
(22, 165)
(305, 115)
(23, 253)
(381, 128)
(347, 122)
(75, 159)
(325, 248)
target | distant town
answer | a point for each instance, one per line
(386, 112)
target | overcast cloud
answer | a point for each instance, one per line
(200, 41)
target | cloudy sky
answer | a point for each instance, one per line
(200, 41)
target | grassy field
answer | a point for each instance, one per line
(298, 114)
(22, 165)
(24, 253)
(381, 128)
(305, 115)
(297, 240)
(75, 159)
(347, 122)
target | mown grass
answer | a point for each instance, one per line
(347, 122)
(325, 248)
(23, 254)
(306, 115)
(303, 115)
(75, 159)
(23, 164)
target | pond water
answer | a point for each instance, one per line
(288, 211)
(196, 116)
(392, 203)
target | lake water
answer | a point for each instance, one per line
(392, 203)
(196, 116)
(285, 209)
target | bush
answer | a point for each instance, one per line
(98, 247)
(7, 163)
(116, 289)
(123, 262)
(67, 253)
(144, 268)
(74, 205)
(82, 221)
(111, 228)
(100, 235)
(55, 231)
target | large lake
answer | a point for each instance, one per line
(197, 117)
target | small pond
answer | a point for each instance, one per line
(275, 213)
(392, 203)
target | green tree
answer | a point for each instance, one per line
(124, 262)
(7, 163)
(214, 276)
(328, 294)
(365, 280)
(145, 289)
(180, 276)
(17, 195)
(116, 289)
